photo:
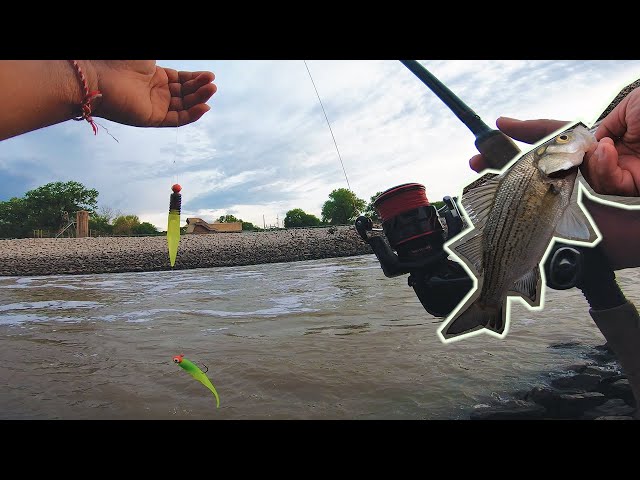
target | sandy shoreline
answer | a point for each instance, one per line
(57, 256)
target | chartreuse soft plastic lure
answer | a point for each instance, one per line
(197, 374)
(173, 227)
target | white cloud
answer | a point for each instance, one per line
(265, 147)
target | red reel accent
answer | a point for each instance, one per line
(400, 199)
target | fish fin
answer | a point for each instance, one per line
(478, 201)
(476, 317)
(470, 247)
(574, 224)
(529, 287)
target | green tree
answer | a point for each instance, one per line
(14, 219)
(231, 219)
(145, 228)
(100, 220)
(46, 204)
(228, 219)
(249, 226)
(100, 223)
(44, 207)
(342, 207)
(299, 218)
(125, 224)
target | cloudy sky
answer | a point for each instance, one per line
(265, 147)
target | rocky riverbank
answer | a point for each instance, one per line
(595, 389)
(58, 256)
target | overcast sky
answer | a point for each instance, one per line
(265, 147)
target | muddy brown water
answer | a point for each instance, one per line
(320, 339)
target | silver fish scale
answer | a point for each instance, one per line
(527, 207)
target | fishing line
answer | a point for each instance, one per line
(327, 119)
(108, 132)
(175, 153)
(175, 207)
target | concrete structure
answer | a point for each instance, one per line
(197, 225)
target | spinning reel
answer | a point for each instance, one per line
(412, 238)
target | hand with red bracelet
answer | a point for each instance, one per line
(39, 93)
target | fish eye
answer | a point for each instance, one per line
(564, 138)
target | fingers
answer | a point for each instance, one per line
(192, 114)
(193, 88)
(185, 117)
(185, 102)
(478, 163)
(602, 169)
(529, 131)
(188, 83)
(185, 78)
(614, 125)
(201, 95)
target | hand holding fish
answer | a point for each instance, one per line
(130, 92)
(611, 168)
(614, 167)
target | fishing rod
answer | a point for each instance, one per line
(415, 231)
(497, 148)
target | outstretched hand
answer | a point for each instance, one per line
(142, 94)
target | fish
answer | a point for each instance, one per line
(515, 217)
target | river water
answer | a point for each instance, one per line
(321, 339)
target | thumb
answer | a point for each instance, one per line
(529, 131)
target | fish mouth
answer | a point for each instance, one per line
(563, 173)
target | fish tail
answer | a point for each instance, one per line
(476, 317)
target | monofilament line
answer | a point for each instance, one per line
(327, 119)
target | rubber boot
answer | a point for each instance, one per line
(621, 328)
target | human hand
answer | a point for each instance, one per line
(613, 167)
(142, 94)
(528, 131)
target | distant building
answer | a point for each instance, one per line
(197, 225)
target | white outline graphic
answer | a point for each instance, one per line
(582, 190)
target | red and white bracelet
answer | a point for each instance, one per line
(89, 97)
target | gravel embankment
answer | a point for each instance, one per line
(57, 256)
